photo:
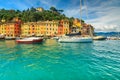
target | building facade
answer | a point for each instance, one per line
(87, 29)
(10, 29)
(40, 9)
(41, 28)
(63, 27)
(44, 28)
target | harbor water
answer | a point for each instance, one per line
(52, 60)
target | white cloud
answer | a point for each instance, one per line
(103, 15)
(75, 11)
(107, 17)
(106, 28)
(72, 12)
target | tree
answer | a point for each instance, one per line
(32, 9)
(53, 9)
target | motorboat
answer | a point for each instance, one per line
(2, 36)
(56, 38)
(99, 38)
(30, 40)
(75, 39)
(9, 38)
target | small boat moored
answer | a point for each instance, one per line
(30, 40)
(56, 38)
(10, 38)
(99, 38)
(76, 39)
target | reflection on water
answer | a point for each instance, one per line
(10, 43)
(52, 60)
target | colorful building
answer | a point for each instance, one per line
(51, 28)
(63, 27)
(82, 28)
(87, 29)
(17, 29)
(77, 25)
(40, 9)
(41, 28)
(2, 29)
(25, 29)
(45, 28)
(33, 29)
(11, 29)
(60, 28)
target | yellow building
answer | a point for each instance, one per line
(77, 23)
(51, 27)
(25, 29)
(10, 29)
(41, 28)
(2, 29)
(40, 9)
(33, 29)
(65, 27)
(77, 26)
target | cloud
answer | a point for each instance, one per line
(103, 14)
(106, 28)
(107, 16)
(74, 12)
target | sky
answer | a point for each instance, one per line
(104, 15)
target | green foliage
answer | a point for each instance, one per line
(32, 15)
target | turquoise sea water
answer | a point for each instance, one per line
(51, 60)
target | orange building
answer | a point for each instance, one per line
(63, 27)
(11, 29)
(17, 29)
(60, 28)
(32, 29)
(41, 28)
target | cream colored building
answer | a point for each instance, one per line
(65, 27)
(2, 29)
(51, 27)
(40, 9)
(25, 29)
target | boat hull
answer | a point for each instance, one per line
(29, 41)
(99, 38)
(9, 38)
(75, 40)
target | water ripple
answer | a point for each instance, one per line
(51, 60)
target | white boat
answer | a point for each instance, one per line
(2, 36)
(99, 38)
(30, 40)
(9, 38)
(75, 39)
(56, 38)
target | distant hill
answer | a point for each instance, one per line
(107, 33)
